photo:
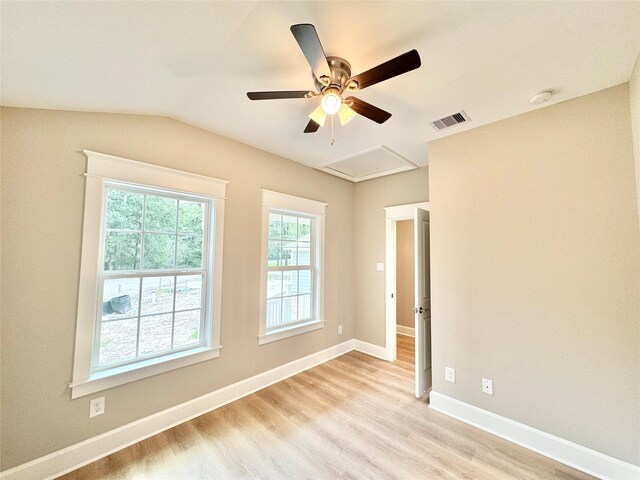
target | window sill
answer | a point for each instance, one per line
(146, 368)
(287, 332)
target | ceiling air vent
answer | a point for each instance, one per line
(450, 121)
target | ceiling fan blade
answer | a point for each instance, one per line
(312, 127)
(367, 110)
(394, 67)
(307, 37)
(279, 95)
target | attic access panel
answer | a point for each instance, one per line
(375, 162)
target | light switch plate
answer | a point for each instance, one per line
(380, 267)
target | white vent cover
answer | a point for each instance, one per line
(450, 121)
(375, 162)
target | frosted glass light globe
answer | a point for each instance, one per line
(331, 103)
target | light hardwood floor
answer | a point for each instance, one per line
(354, 417)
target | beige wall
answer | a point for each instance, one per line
(370, 199)
(536, 270)
(43, 192)
(405, 279)
(634, 103)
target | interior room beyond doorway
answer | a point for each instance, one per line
(405, 278)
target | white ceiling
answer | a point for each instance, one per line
(194, 61)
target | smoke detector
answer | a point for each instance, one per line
(540, 97)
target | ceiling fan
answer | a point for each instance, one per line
(332, 77)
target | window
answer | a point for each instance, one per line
(149, 297)
(292, 267)
(153, 275)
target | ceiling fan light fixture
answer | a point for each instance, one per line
(331, 101)
(332, 78)
(318, 116)
(346, 114)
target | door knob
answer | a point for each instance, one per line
(419, 310)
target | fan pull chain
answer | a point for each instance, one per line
(332, 137)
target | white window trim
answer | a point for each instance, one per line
(302, 206)
(101, 168)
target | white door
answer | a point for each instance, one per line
(422, 302)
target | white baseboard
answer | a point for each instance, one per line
(371, 349)
(576, 456)
(92, 449)
(407, 331)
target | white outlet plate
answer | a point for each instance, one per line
(487, 386)
(380, 267)
(339, 329)
(96, 407)
(450, 374)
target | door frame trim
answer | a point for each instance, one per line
(392, 215)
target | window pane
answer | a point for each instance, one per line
(160, 214)
(122, 251)
(274, 312)
(304, 307)
(118, 341)
(189, 252)
(190, 217)
(289, 253)
(274, 284)
(304, 253)
(124, 210)
(290, 282)
(157, 295)
(159, 251)
(289, 309)
(120, 298)
(304, 229)
(155, 334)
(275, 226)
(275, 253)
(304, 281)
(187, 328)
(188, 292)
(289, 227)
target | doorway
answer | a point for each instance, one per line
(418, 213)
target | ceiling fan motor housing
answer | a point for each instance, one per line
(340, 74)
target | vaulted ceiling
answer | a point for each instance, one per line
(194, 61)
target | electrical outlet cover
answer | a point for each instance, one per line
(450, 374)
(96, 407)
(487, 386)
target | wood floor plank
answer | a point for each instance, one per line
(354, 417)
